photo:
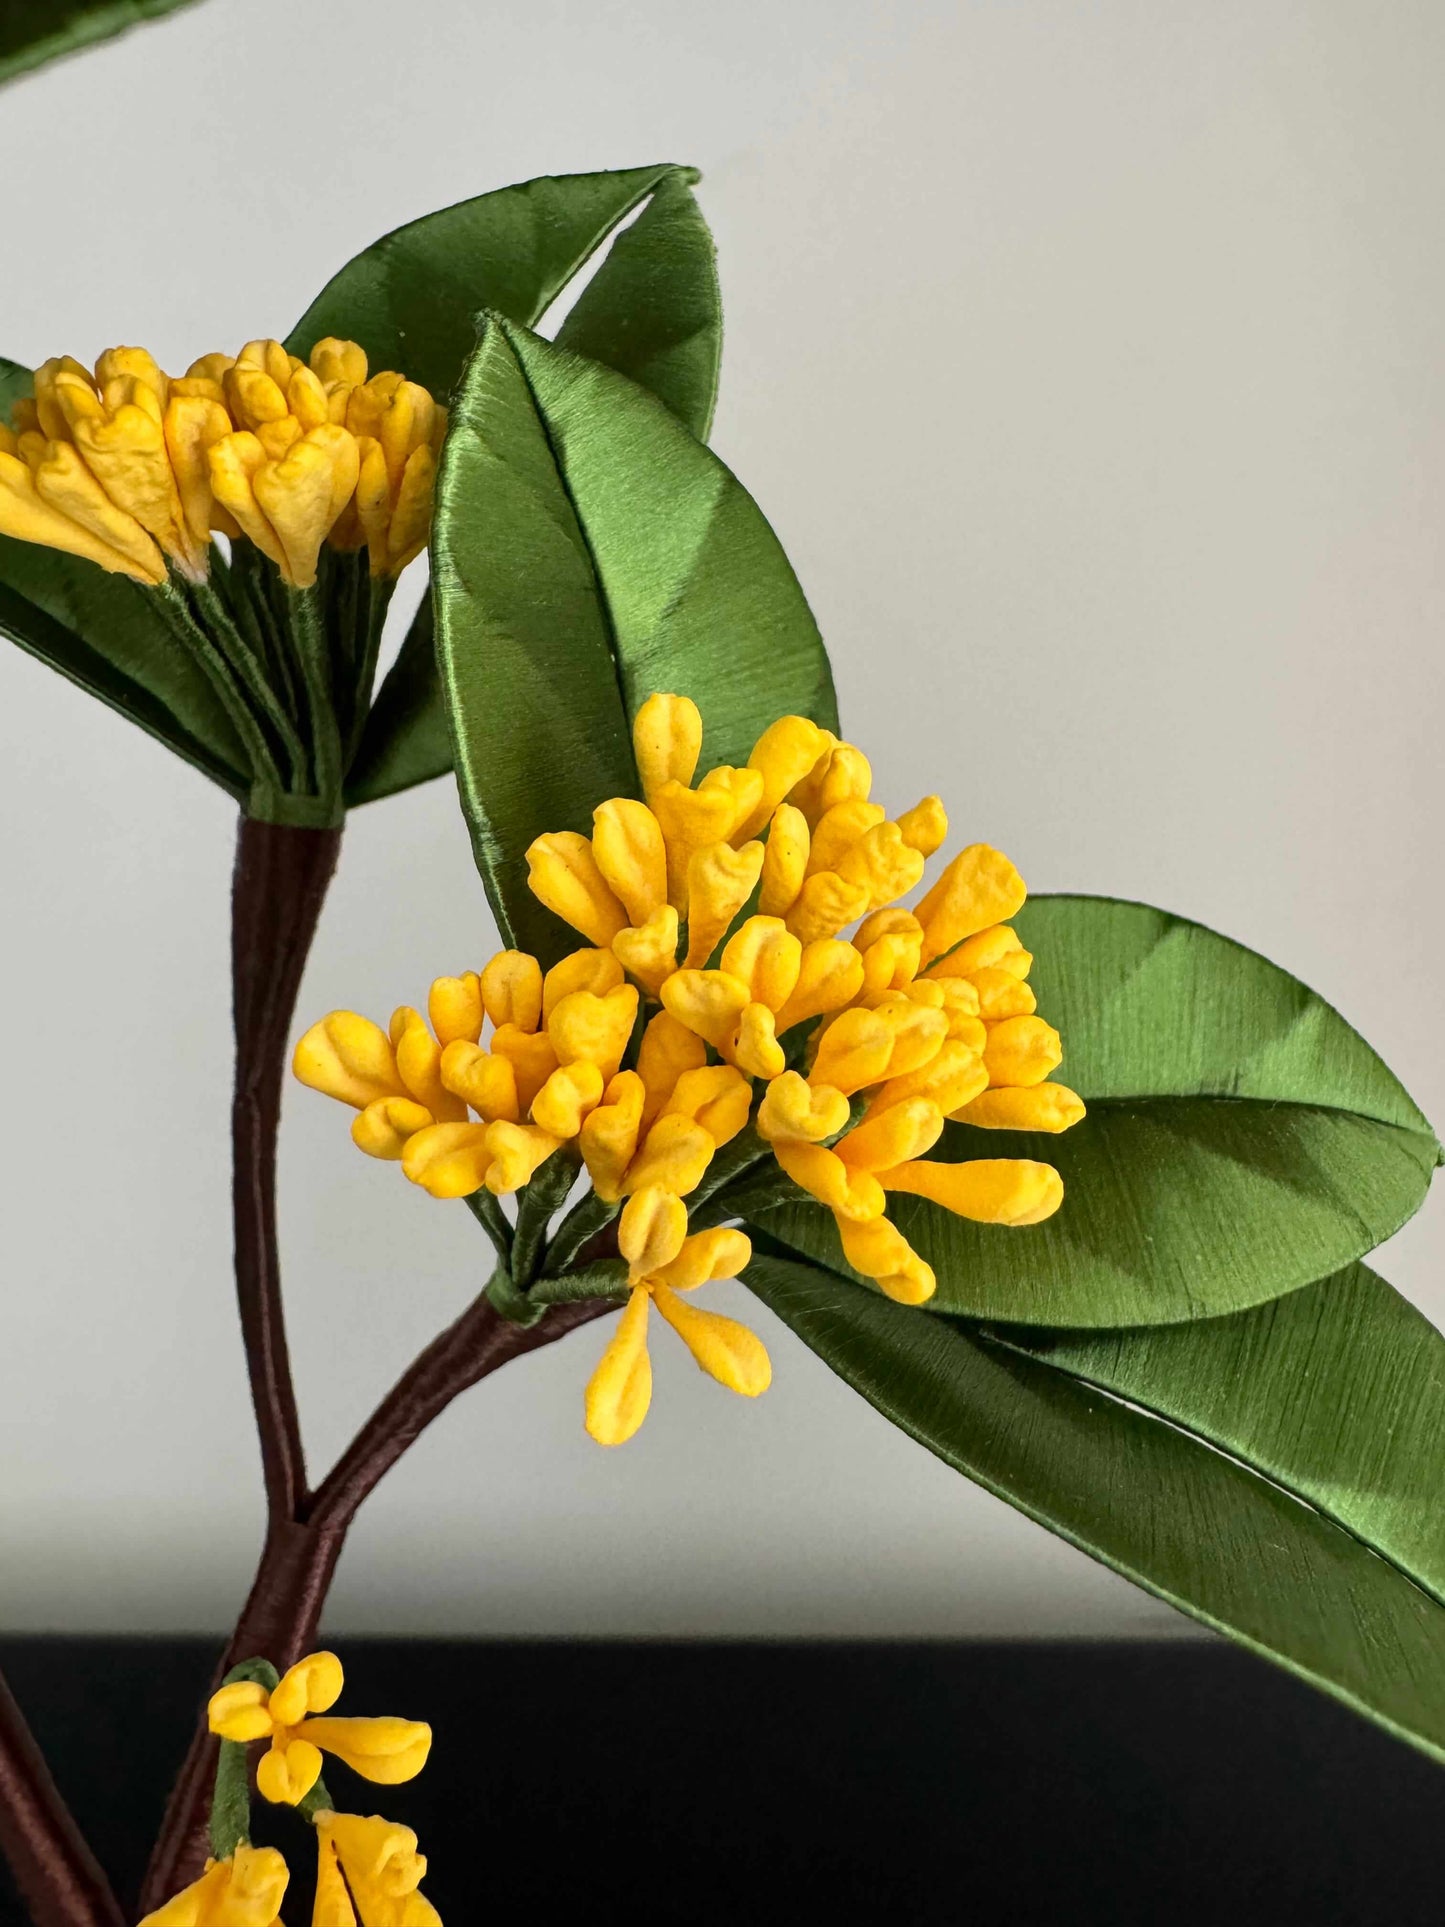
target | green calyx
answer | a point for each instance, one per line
(231, 1801)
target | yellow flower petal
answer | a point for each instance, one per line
(386, 1751)
(950, 1079)
(765, 955)
(666, 741)
(244, 1891)
(881, 1252)
(482, 1079)
(594, 1030)
(563, 874)
(825, 903)
(838, 830)
(668, 1050)
(383, 1871)
(851, 1194)
(893, 1136)
(594, 970)
(651, 1230)
(566, 1099)
(512, 990)
(240, 1711)
(454, 1005)
(705, 1256)
(516, 1152)
(620, 1390)
(794, 1109)
(925, 826)
(719, 882)
(786, 752)
(785, 861)
(830, 975)
(675, 1155)
(384, 1128)
(312, 1685)
(980, 887)
(609, 1137)
(627, 843)
(649, 952)
(1022, 1050)
(1009, 1191)
(349, 1058)
(419, 1064)
(726, 1350)
(286, 1774)
(717, 1096)
(854, 1051)
(691, 820)
(755, 1048)
(709, 1002)
(531, 1056)
(1036, 1107)
(997, 948)
(1001, 994)
(449, 1160)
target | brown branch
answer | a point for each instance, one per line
(279, 886)
(59, 1878)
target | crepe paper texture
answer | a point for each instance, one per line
(35, 31)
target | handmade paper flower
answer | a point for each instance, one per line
(385, 1750)
(369, 1874)
(134, 469)
(244, 1890)
(662, 1261)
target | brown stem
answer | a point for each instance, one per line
(276, 897)
(59, 1878)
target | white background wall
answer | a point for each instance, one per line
(1087, 358)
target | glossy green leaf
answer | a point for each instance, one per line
(652, 310)
(34, 31)
(106, 633)
(1242, 1140)
(1157, 1503)
(589, 550)
(413, 297)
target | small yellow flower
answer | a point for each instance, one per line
(291, 1717)
(369, 1874)
(663, 1261)
(243, 1891)
(134, 469)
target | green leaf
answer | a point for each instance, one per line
(1160, 1504)
(412, 298)
(653, 310)
(1242, 1140)
(587, 551)
(34, 31)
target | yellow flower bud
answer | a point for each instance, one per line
(651, 1230)
(825, 903)
(925, 826)
(839, 829)
(1022, 1050)
(649, 953)
(717, 1096)
(883, 864)
(193, 427)
(1001, 994)
(512, 990)
(850, 1194)
(980, 887)
(705, 1256)
(627, 844)
(449, 1160)
(531, 1056)
(517, 1150)
(486, 1081)
(620, 1390)
(691, 820)
(594, 1029)
(419, 1063)
(609, 1137)
(313, 1685)
(709, 1002)
(286, 1774)
(65, 482)
(667, 1052)
(240, 1711)
(918, 1033)
(765, 955)
(386, 1751)
(881, 1252)
(997, 948)
(28, 517)
(794, 1109)
(302, 494)
(454, 1005)
(726, 1350)
(854, 1051)
(755, 1049)
(335, 360)
(785, 753)
(742, 787)
(1007, 1191)
(954, 1076)
(890, 963)
(675, 1156)
(785, 861)
(384, 1127)
(594, 970)
(666, 742)
(1037, 1107)
(838, 776)
(234, 462)
(893, 1136)
(719, 882)
(830, 975)
(569, 1094)
(563, 874)
(350, 1058)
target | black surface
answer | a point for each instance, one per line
(959, 1784)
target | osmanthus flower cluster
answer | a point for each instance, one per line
(135, 469)
(369, 1872)
(719, 995)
